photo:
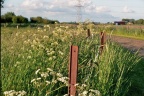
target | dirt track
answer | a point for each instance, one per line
(131, 44)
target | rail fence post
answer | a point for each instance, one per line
(73, 69)
(102, 41)
(88, 33)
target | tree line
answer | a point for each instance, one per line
(10, 17)
(133, 21)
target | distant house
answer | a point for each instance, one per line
(120, 23)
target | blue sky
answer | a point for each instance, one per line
(65, 10)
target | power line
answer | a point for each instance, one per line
(79, 11)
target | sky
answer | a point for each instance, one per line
(67, 10)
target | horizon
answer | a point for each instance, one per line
(65, 10)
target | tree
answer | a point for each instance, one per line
(2, 2)
(19, 19)
(33, 19)
(39, 19)
(8, 16)
(140, 21)
(45, 21)
(14, 19)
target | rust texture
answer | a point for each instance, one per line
(73, 69)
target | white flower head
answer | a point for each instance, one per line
(37, 71)
(59, 74)
(95, 91)
(47, 82)
(33, 80)
(44, 74)
(49, 69)
(85, 93)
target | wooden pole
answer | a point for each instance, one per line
(102, 37)
(88, 33)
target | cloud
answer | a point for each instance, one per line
(127, 10)
(102, 9)
(83, 3)
(34, 4)
(9, 6)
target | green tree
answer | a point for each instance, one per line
(39, 19)
(14, 19)
(8, 16)
(140, 21)
(33, 19)
(19, 19)
(45, 21)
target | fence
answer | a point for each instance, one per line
(73, 65)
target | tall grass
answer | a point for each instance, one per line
(127, 31)
(36, 61)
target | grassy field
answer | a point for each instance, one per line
(35, 62)
(132, 31)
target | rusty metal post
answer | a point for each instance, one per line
(88, 33)
(102, 36)
(73, 68)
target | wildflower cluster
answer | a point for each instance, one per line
(15, 93)
(47, 79)
(84, 90)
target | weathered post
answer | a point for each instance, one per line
(88, 33)
(102, 36)
(73, 68)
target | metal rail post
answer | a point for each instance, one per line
(73, 68)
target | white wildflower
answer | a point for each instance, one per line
(45, 37)
(85, 93)
(84, 85)
(47, 82)
(45, 30)
(54, 81)
(37, 71)
(33, 80)
(61, 53)
(52, 73)
(63, 79)
(59, 74)
(55, 43)
(32, 46)
(17, 34)
(34, 42)
(95, 91)
(44, 74)
(14, 93)
(48, 26)
(76, 84)
(52, 52)
(54, 57)
(38, 79)
(50, 58)
(49, 69)
(22, 93)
